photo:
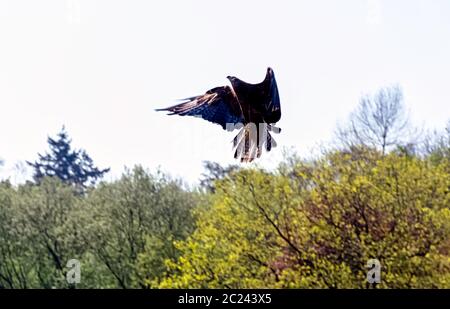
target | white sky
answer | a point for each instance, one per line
(101, 68)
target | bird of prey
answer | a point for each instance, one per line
(251, 108)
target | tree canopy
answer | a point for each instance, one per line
(307, 224)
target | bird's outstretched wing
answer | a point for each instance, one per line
(273, 108)
(218, 105)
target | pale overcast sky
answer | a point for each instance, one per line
(101, 67)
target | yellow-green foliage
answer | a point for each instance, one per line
(315, 225)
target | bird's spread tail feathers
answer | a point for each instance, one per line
(249, 142)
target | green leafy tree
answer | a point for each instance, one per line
(15, 267)
(132, 223)
(35, 239)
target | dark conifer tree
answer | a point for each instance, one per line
(72, 166)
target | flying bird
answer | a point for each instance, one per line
(251, 108)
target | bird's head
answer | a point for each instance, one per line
(231, 78)
(269, 72)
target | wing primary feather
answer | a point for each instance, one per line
(216, 105)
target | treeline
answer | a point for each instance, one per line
(379, 193)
